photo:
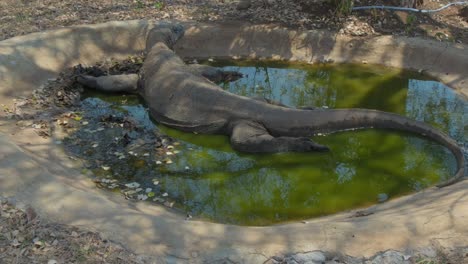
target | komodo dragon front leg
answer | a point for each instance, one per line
(129, 82)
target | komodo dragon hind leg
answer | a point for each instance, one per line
(250, 136)
(111, 83)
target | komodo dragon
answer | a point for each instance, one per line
(183, 97)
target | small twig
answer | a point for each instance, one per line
(396, 8)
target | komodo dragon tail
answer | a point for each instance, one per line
(329, 121)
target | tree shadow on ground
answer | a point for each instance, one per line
(40, 176)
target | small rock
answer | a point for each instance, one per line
(142, 197)
(389, 257)
(382, 197)
(169, 204)
(310, 257)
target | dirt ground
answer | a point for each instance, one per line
(25, 238)
(19, 17)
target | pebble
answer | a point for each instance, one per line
(382, 197)
(309, 257)
(389, 257)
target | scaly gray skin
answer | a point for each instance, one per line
(180, 96)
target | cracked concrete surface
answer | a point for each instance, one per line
(36, 171)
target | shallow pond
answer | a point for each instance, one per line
(204, 177)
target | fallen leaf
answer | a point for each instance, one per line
(15, 243)
(132, 185)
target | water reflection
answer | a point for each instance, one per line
(225, 186)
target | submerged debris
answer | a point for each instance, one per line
(114, 145)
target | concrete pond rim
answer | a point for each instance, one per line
(34, 171)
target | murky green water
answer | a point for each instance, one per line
(208, 180)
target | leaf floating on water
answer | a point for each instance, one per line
(132, 185)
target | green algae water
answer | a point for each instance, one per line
(208, 180)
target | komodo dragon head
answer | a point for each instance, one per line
(168, 33)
